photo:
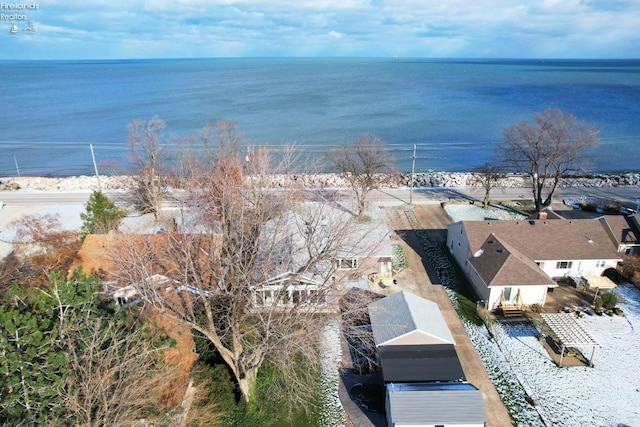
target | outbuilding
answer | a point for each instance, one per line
(434, 404)
(413, 340)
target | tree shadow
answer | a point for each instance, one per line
(412, 239)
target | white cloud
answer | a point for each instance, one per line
(500, 28)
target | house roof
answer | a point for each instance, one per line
(436, 404)
(625, 229)
(500, 264)
(541, 240)
(404, 316)
(321, 231)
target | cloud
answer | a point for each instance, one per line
(455, 28)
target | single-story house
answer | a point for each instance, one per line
(316, 251)
(515, 263)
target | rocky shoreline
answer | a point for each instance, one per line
(327, 180)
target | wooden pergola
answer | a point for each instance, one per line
(569, 332)
(599, 282)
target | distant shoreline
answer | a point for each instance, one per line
(430, 179)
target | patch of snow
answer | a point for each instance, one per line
(330, 413)
(466, 212)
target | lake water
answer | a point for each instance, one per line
(453, 110)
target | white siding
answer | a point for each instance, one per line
(585, 267)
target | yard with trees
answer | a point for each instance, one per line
(249, 232)
(69, 358)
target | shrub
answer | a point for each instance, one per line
(609, 300)
(399, 258)
(536, 308)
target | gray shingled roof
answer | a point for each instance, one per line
(403, 313)
(499, 264)
(436, 404)
(547, 239)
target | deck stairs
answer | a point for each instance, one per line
(512, 308)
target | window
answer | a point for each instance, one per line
(600, 263)
(564, 264)
(347, 264)
(289, 293)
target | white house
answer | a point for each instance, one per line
(315, 251)
(512, 264)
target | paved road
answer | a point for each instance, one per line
(24, 198)
(388, 197)
(391, 197)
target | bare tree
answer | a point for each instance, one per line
(148, 157)
(253, 278)
(41, 247)
(115, 370)
(363, 164)
(487, 176)
(548, 149)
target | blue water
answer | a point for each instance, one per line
(453, 110)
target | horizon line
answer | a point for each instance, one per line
(393, 57)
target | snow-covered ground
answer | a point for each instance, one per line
(467, 212)
(330, 412)
(607, 394)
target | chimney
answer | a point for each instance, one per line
(542, 215)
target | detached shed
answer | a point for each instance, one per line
(437, 404)
(413, 340)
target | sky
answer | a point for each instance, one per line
(135, 29)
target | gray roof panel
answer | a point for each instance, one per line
(402, 313)
(431, 405)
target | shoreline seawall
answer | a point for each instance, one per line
(327, 180)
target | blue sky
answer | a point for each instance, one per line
(111, 29)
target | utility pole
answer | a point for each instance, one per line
(413, 170)
(95, 167)
(15, 160)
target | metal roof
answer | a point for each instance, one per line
(433, 404)
(568, 331)
(402, 314)
(420, 363)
